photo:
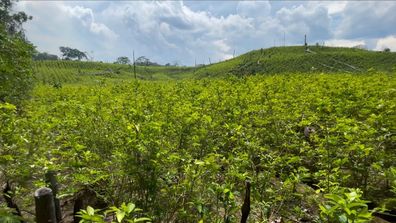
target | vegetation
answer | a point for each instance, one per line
(144, 61)
(61, 72)
(311, 141)
(44, 56)
(295, 59)
(124, 213)
(15, 56)
(123, 60)
(182, 150)
(70, 53)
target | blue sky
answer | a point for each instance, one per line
(185, 31)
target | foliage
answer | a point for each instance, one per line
(15, 55)
(182, 150)
(346, 207)
(123, 60)
(12, 23)
(124, 213)
(44, 56)
(15, 71)
(293, 59)
(144, 61)
(7, 216)
(51, 72)
(70, 53)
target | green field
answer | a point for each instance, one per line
(293, 59)
(291, 134)
(181, 147)
(60, 72)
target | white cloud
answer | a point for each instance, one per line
(174, 27)
(333, 7)
(87, 18)
(387, 42)
(344, 43)
(371, 19)
(255, 9)
(313, 21)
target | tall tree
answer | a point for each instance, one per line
(15, 55)
(12, 22)
(122, 60)
(144, 61)
(70, 53)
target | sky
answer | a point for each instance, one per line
(189, 32)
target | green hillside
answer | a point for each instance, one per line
(274, 60)
(61, 71)
(296, 59)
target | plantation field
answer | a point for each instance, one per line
(182, 150)
(61, 72)
(293, 59)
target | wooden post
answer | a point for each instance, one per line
(134, 65)
(305, 42)
(45, 207)
(50, 179)
(246, 204)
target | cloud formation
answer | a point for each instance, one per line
(387, 42)
(87, 18)
(169, 31)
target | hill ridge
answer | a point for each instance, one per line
(296, 59)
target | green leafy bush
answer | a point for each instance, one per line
(346, 207)
(124, 213)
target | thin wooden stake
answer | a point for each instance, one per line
(134, 65)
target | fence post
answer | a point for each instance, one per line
(246, 204)
(50, 179)
(45, 208)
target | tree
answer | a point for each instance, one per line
(16, 55)
(144, 61)
(387, 50)
(44, 56)
(12, 22)
(70, 53)
(123, 60)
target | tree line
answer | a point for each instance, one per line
(69, 53)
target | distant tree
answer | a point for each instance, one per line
(144, 61)
(44, 56)
(70, 53)
(387, 50)
(123, 60)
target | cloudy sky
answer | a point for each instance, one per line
(185, 31)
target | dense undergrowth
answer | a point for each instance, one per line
(183, 150)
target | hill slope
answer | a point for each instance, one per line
(296, 59)
(61, 71)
